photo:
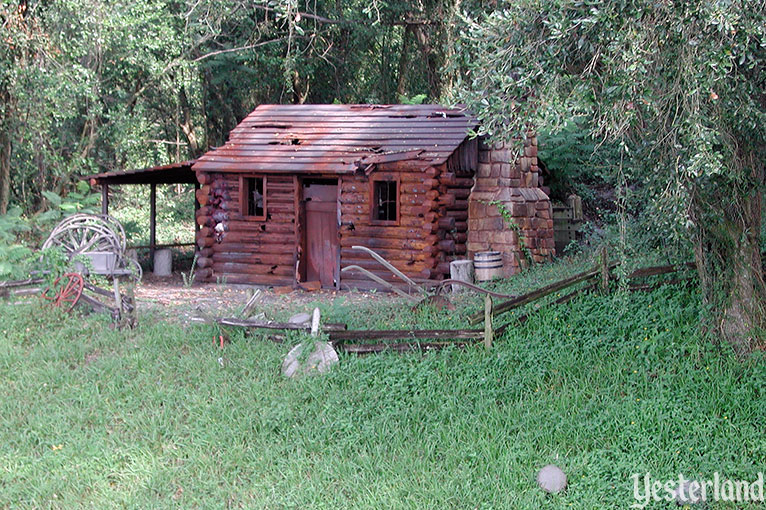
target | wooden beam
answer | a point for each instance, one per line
(104, 199)
(152, 221)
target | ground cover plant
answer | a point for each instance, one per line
(158, 417)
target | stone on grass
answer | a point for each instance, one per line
(319, 361)
(300, 318)
(551, 479)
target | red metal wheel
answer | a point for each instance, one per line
(66, 291)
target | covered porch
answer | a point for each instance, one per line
(174, 173)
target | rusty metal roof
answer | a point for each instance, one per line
(173, 173)
(339, 138)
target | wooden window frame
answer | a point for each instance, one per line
(390, 177)
(243, 198)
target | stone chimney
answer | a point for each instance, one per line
(513, 182)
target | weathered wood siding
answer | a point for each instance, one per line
(248, 251)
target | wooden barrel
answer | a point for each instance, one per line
(488, 265)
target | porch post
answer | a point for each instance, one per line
(152, 220)
(104, 199)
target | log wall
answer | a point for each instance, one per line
(240, 249)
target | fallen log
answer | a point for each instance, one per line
(538, 294)
(20, 283)
(260, 324)
(434, 334)
(401, 347)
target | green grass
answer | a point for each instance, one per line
(603, 386)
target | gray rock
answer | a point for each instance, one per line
(319, 361)
(300, 318)
(163, 262)
(551, 479)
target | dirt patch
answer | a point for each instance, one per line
(178, 301)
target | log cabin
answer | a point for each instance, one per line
(295, 187)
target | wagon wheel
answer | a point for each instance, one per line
(65, 291)
(83, 233)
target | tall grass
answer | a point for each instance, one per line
(603, 386)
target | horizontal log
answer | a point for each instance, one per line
(393, 255)
(447, 200)
(266, 236)
(254, 279)
(261, 324)
(459, 237)
(254, 269)
(458, 205)
(405, 221)
(461, 193)
(537, 294)
(401, 347)
(205, 242)
(447, 245)
(452, 181)
(253, 226)
(247, 249)
(204, 274)
(657, 270)
(266, 259)
(447, 223)
(204, 262)
(353, 275)
(461, 215)
(204, 211)
(20, 283)
(339, 337)
(402, 243)
(204, 178)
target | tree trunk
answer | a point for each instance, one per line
(5, 170)
(728, 258)
(404, 63)
(5, 151)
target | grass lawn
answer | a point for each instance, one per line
(602, 386)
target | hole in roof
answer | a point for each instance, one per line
(455, 115)
(402, 116)
(295, 141)
(370, 106)
(270, 126)
(273, 143)
(377, 149)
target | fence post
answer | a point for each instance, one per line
(604, 269)
(488, 333)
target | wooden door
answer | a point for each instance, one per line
(320, 232)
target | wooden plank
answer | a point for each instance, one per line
(538, 294)
(401, 347)
(261, 324)
(340, 337)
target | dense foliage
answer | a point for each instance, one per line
(680, 89)
(92, 85)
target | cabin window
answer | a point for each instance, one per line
(253, 197)
(385, 201)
